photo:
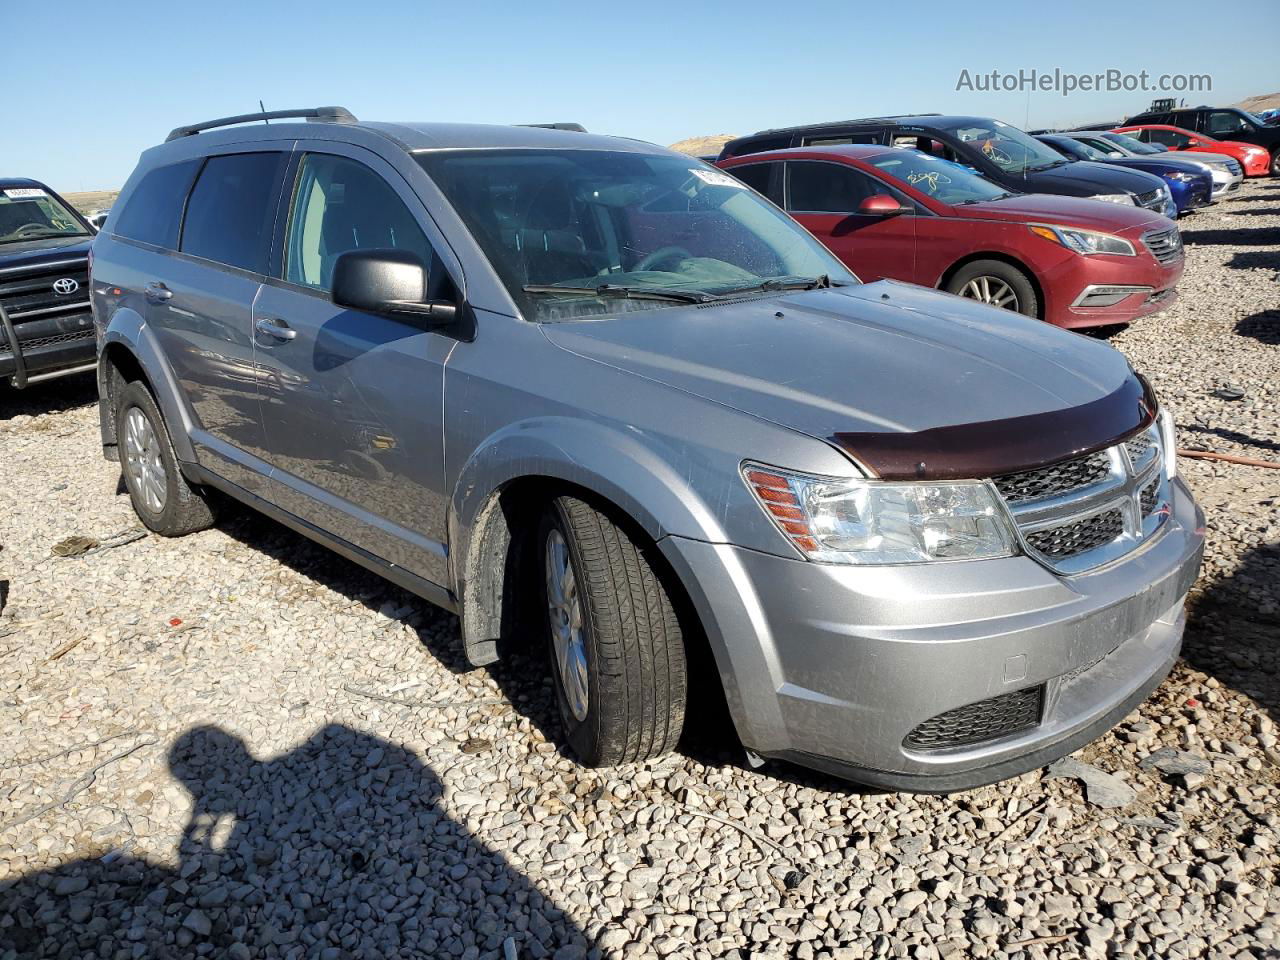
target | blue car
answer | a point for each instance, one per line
(1189, 188)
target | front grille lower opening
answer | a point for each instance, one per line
(978, 722)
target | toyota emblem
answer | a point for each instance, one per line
(65, 286)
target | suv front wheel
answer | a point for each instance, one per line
(616, 647)
(162, 498)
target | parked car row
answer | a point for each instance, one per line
(541, 376)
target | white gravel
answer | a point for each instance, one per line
(239, 745)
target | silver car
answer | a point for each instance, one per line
(585, 387)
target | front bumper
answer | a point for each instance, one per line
(833, 666)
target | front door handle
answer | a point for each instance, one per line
(157, 292)
(271, 327)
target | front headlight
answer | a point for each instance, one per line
(836, 520)
(1181, 176)
(1083, 241)
(1115, 198)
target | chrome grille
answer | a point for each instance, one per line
(1165, 245)
(1090, 510)
(976, 722)
(1073, 538)
(27, 293)
(1055, 479)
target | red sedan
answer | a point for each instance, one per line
(890, 212)
(1255, 160)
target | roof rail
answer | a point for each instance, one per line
(318, 114)
(576, 127)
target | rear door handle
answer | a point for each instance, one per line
(271, 327)
(157, 292)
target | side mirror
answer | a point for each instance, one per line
(392, 282)
(880, 205)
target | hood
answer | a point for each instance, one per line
(1102, 215)
(1085, 178)
(1157, 167)
(884, 359)
(30, 252)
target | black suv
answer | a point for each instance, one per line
(995, 150)
(1221, 123)
(46, 328)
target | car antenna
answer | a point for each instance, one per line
(264, 110)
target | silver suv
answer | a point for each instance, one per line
(929, 544)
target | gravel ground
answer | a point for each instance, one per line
(238, 745)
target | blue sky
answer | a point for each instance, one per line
(109, 79)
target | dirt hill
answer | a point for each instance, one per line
(1267, 101)
(92, 201)
(702, 146)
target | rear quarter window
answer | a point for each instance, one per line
(231, 213)
(153, 212)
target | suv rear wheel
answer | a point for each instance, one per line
(162, 498)
(997, 283)
(617, 652)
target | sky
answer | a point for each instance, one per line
(84, 98)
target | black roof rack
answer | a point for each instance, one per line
(576, 127)
(318, 114)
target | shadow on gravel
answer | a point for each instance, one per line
(1233, 630)
(1235, 237)
(1263, 326)
(1255, 260)
(1259, 212)
(336, 849)
(1235, 436)
(49, 396)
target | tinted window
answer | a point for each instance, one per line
(815, 187)
(763, 144)
(342, 205)
(754, 175)
(1170, 138)
(154, 211)
(232, 210)
(836, 141)
(1222, 123)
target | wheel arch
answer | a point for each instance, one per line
(1003, 257)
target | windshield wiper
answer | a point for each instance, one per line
(1048, 166)
(783, 283)
(617, 291)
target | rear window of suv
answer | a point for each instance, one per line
(232, 210)
(154, 210)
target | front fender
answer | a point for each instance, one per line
(128, 330)
(602, 459)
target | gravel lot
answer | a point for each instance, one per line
(239, 745)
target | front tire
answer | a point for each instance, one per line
(162, 498)
(996, 283)
(616, 647)
(1275, 162)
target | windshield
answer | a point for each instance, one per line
(621, 223)
(1099, 147)
(29, 213)
(1007, 147)
(1087, 151)
(1134, 145)
(941, 179)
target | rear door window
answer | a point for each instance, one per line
(1170, 138)
(757, 176)
(817, 187)
(232, 209)
(153, 213)
(837, 141)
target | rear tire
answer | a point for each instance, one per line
(162, 497)
(1275, 162)
(998, 283)
(624, 697)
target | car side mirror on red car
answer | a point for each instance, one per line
(881, 205)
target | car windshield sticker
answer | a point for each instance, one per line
(717, 179)
(23, 193)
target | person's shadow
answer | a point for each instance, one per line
(338, 849)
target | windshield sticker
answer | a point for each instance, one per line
(24, 193)
(718, 179)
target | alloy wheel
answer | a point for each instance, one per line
(142, 462)
(991, 290)
(564, 607)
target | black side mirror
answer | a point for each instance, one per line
(392, 282)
